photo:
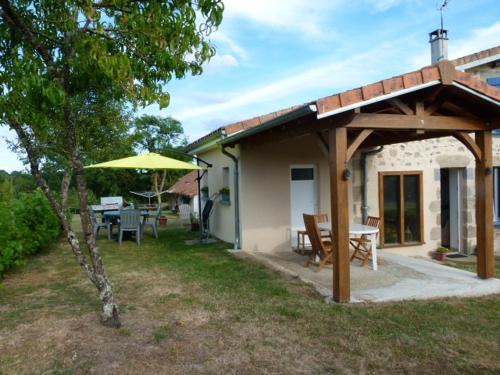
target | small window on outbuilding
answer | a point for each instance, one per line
(225, 176)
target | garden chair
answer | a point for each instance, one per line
(205, 218)
(301, 234)
(320, 247)
(153, 223)
(362, 245)
(130, 221)
(185, 213)
(96, 225)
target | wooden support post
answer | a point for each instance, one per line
(340, 214)
(484, 206)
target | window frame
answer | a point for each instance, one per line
(401, 175)
(496, 195)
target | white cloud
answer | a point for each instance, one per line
(324, 75)
(335, 76)
(221, 62)
(221, 37)
(305, 17)
(478, 40)
(383, 5)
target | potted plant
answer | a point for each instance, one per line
(224, 194)
(440, 253)
(204, 192)
(195, 223)
(163, 220)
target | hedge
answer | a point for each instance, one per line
(27, 225)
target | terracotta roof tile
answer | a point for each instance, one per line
(256, 121)
(444, 71)
(476, 56)
(186, 185)
(430, 73)
(472, 82)
(372, 90)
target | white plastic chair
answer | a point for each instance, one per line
(185, 213)
(153, 223)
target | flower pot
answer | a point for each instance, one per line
(225, 197)
(163, 220)
(440, 256)
(195, 227)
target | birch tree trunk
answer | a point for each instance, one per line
(94, 269)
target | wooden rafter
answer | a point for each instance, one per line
(434, 106)
(403, 107)
(468, 142)
(357, 142)
(323, 144)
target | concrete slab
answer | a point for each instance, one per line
(398, 277)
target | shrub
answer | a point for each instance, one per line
(27, 225)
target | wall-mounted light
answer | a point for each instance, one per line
(347, 174)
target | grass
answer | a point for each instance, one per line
(471, 265)
(198, 309)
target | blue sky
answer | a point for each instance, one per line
(272, 54)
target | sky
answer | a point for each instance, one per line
(272, 54)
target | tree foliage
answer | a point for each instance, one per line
(62, 66)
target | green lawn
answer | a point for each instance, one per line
(471, 266)
(200, 310)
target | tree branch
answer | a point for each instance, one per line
(16, 23)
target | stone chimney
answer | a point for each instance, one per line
(439, 45)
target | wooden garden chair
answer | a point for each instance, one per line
(320, 247)
(362, 245)
(301, 234)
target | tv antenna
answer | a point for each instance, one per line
(441, 8)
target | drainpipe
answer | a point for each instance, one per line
(237, 242)
(364, 203)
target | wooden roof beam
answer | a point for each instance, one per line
(414, 122)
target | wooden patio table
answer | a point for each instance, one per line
(359, 230)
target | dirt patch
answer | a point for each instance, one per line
(203, 311)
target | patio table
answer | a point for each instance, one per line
(358, 230)
(115, 214)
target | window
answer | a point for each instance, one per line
(225, 176)
(302, 174)
(400, 195)
(496, 194)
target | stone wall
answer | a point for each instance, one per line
(428, 156)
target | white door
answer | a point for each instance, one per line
(303, 196)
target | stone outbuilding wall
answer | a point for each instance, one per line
(429, 157)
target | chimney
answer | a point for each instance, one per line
(439, 45)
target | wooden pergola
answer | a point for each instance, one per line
(436, 101)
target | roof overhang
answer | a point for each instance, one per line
(378, 99)
(478, 94)
(479, 62)
(206, 143)
(290, 116)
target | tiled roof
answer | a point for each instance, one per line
(444, 72)
(186, 185)
(236, 127)
(476, 56)
(258, 120)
